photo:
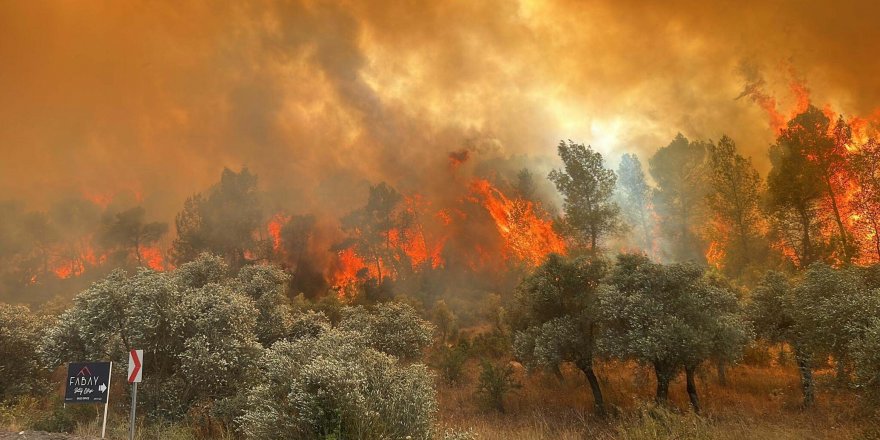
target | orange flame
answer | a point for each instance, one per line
(528, 237)
(715, 254)
(274, 227)
(153, 258)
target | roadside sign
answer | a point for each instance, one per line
(135, 373)
(135, 361)
(87, 382)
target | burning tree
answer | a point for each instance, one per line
(371, 228)
(865, 201)
(222, 220)
(733, 199)
(297, 237)
(130, 234)
(806, 186)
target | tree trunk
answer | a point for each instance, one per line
(722, 372)
(842, 375)
(843, 238)
(557, 371)
(692, 388)
(662, 384)
(379, 268)
(806, 379)
(587, 368)
(806, 255)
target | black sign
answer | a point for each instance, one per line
(87, 382)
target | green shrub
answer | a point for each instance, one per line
(21, 372)
(59, 419)
(495, 382)
(495, 344)
(865, 353)
(336, 386)
(451, 363)
(393, 328)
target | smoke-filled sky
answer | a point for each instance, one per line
(154, 98)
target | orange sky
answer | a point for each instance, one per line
(153, 98)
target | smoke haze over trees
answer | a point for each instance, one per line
(339, 219)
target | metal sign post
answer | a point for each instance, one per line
(134, 398)
(135, 363)
(107, 402)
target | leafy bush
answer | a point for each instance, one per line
(336, 386)
(393, 328)
(308, 324)
(20, 366)
(267, 287)
(196, 327)
(494, 344)
(495, 382)
(451, 362)
(61, 419)
(865, 353)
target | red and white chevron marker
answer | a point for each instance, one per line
(135, 358)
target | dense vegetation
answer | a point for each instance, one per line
(249, 336)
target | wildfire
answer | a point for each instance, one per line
(153, 258)
(348, 265)
(456, 158)
(529, 237)
(779, 119)
(274, 227)
(715, 255)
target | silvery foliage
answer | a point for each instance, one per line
(335, 385)
(20, 367)
(393, 328)
(197, 331)
(820, 313)
(308, 324)
(834, 307)
(865, 353)
(267, 286)
(667, 315)
(555, 313)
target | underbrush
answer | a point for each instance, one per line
(758, 402)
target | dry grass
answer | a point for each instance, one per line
(757, 403)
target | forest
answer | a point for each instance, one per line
(688, 297)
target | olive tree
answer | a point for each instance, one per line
(334, 385)
(670, 317)
(820, 313)
(556, 317)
